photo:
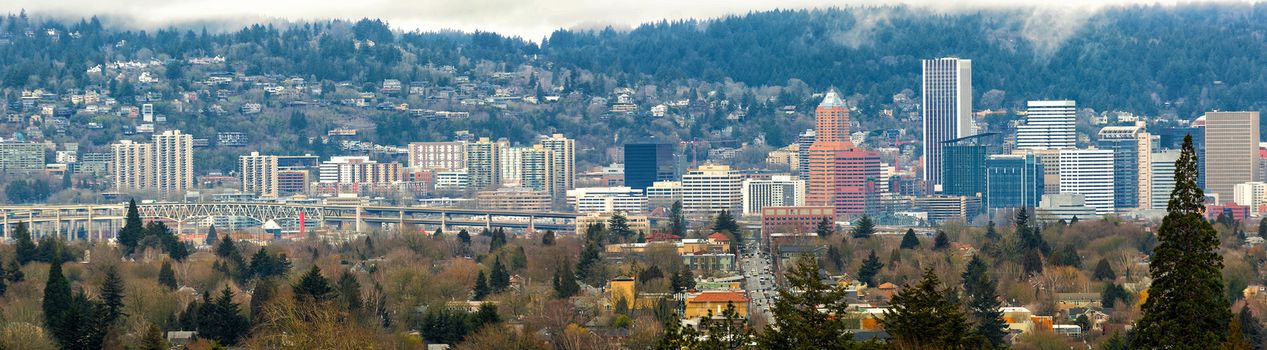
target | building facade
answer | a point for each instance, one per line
(646, 163)
(1162, 176)
(947, 110)
(446, 155)
(21, 156)
(1048, 125)
(1089, 172)
(841, 175)
(711, 189)
(1231, 146)
(483, 164)
(1132, 164)
(1014, 181)
(563, 152)
(133, 165)
(260, 175)
(778, 191)
(174, 161)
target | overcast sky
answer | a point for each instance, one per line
(531, 19)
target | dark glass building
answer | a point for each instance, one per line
(1172, 138)
(1013, 181)
(964, 163)
(646, 163)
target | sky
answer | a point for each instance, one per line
(530, 19)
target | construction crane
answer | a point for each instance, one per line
(694, 143)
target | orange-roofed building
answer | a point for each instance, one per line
(715, 301)
(718, 236)
(887, 290)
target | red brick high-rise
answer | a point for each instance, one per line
(840, 175)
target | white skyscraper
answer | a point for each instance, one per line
(174, 161)
(947, 103)
(259, 174)
(778, 191)
(1048, 125)
(564, 152)
(133, 165)
(537, 169)
(1089, 172)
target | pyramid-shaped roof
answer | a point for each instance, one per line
(832, 99)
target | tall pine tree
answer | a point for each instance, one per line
(1187, 307)
(864, 228)
(983, 304)
(806, 319)
(112, 295)
(133, 229)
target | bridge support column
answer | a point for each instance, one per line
(488, 222)
(358, 219)
(532, 220)
(6, 225)
(444, 221)
(401, 224)
(89, 225)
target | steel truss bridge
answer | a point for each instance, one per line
(103, 220)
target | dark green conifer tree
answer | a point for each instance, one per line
(1186, 306)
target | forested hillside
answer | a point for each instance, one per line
(1146, 59)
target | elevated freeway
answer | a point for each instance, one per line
(103, 220)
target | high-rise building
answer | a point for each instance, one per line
(174, 161)
(511, 161)
(563, 150)
(646, 163)
(21, 156)
(947, 105)
(445, 155)
(841, 175)
(133, 165)
(778, 191)
(1048, 125)
(1089, 172)
(964, 164)
(260, 175)
(1132, 164)
(1162, 175)
(1231, 148)
(803, 142)
(1014, 181)
(537, 169)
(483, 164)
(711, 189)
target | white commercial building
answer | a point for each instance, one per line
(1089, 172)
(1252, 194)
(1048, 125)
(711, 189)
(778, 191)
(947, 109)
(607, 199)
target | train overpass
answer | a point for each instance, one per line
(103, 220)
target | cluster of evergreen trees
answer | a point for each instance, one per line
(135, 236)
